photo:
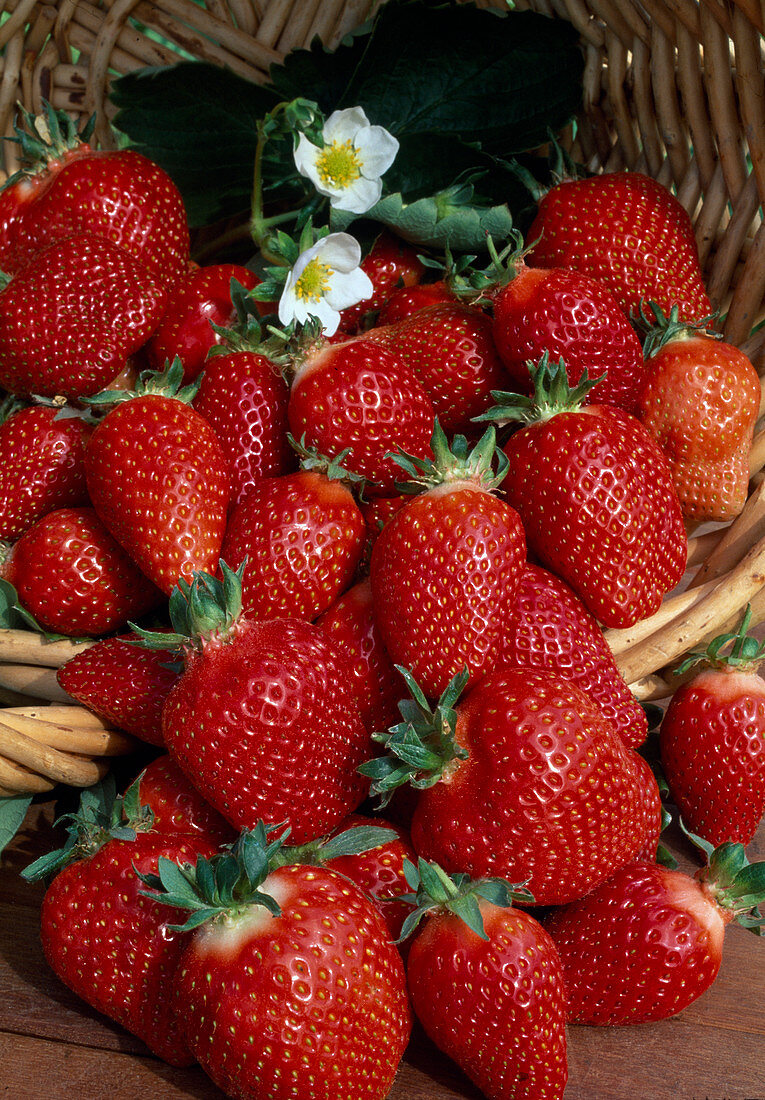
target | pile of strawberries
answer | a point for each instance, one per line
(396, 766)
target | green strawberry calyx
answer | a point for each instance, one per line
(746, 652)
(46, 138)
(552, 394)
(167, 382)
(732, 882)
(662, 329)
(102, 815)
(422, 747)
(205, 609)
(228, 883)
(434, 890)
(453, 462)
(330, 465)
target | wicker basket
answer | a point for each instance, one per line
(674, 88)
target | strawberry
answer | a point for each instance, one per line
(199, 300)
(178, 807)
(648, 942)
(627, 231)
(358, 397)
(445, 568)
(70, 319)
(595, 495)
(350, 621)
(712, 740)
(390, 263)
(114, 948)
(41, 465)
(550, 628)
(73, 577)
(701, 402)
(245, 398)
(289, 985)
(263, 719)
(158, 478)
(485, 982)
(123, 683)
(72, 188)
(523, 778)
(302, 535)
(378, 871)
(450, 348)
(569, 315)
(406, 300)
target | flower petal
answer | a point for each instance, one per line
(343, 125)
(305, 158)
(340, 251)
(377, 150)
(358, 197)
(348, 288)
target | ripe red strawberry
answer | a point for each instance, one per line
(176, 806)
(72, 188)
(70, 319)
(114, 948)
(406, 300)
(123, 683)
(359, 397)
(390, 263)
(712, 740)
(200, 299)
(570, 315)
(629, 232)
(290, 985)
(485, 983)
(350, 621)
(450, 348)
(263, 720)
(378, 871)
(646, 943)
(41, 465)
(550, 628)
(523, 778)
(302, 536)
(701, 402)
(73, 577)
(158, 478)
(245, 398)
(596, 498)
(445, 568)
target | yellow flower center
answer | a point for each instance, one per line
(313, 282)
(339, 164)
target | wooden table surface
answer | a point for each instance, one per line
(55, 1047)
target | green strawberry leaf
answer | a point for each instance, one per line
(13, 810)
(461, 88)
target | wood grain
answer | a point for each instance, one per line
(52, 1045)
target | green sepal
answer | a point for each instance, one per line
(222, 884)
(14, 616)
(329, 465)
(421, 747)
(455, 461)
(746, 652)
(207, 607)
(13, 811)
(661, 329)
(46, 137)
(101, 816)
(552, 394)
(246, 332)
(734, 883)
(350, 842)
(167, 382)
(435, 890)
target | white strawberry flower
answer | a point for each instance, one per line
(349, 166)
(325, 279)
